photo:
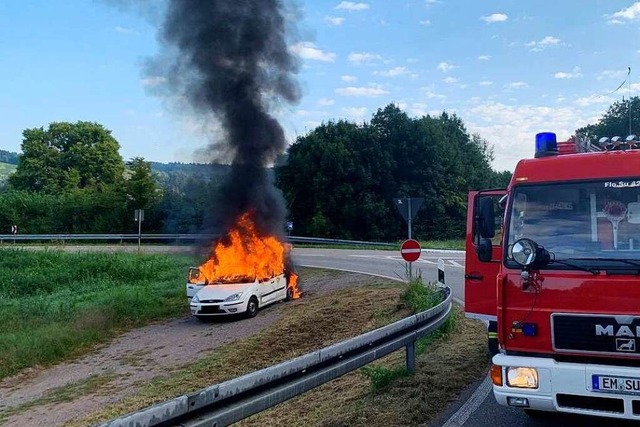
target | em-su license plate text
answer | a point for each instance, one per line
(608, 384)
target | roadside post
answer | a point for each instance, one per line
(139, 217)
(441, 272)
(289, 227)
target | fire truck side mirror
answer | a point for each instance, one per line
(486, 218)
(484, 250)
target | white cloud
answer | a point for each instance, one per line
(495, 17)
(571, 75)
(123, 30)
(537, 46)
(363, 57)
(325, 102)
(334, 20)
(430, 93)
(371, 91)
(445, 67)
(484, 57)
(450, 80)
(303, 113)
(308, 50)
(350, 5)
(516, 85)
(512, 129)
(355, 112)
(394, 72)
(629, 14)
(152, 81)
(428, 2)
(587, 101)
(425, 22)
(486, 83)
(349, 79)
(612, 74)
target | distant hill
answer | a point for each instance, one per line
(191, 169)
(6, 169)
(8, 157)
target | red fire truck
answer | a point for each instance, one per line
(553, 266)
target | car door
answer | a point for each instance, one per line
(480, 290)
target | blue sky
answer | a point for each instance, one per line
(509, 69)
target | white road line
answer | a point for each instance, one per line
(452, 262)
(470, 406)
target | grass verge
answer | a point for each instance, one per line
(54, 305)
(320, 320)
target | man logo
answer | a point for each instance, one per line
(624, 344)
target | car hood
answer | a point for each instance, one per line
(222, 291)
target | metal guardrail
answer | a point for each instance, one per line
(4, 238)
(231, 401)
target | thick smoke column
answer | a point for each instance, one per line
(230, 58)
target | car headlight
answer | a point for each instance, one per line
(522, 377)
(195, 299)
(234, 297)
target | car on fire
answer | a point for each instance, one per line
(220, 298)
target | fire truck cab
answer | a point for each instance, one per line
(553, 266)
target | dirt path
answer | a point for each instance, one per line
(56, 395)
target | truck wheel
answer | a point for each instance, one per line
(492, 338)
(252, 307)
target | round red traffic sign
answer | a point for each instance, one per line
(410, 250)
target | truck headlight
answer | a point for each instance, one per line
(522, 377)
(234, 297)
(195, 299)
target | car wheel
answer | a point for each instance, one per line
(252, 307)
(289, 294)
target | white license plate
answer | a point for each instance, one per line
(609, 384)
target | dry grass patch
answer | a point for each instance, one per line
(310, 323)
(442, 371)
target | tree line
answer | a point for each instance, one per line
(340, 180)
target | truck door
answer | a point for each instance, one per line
(480, 293)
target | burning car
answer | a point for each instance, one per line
(223, 297)
(244, 272)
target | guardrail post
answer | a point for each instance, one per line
(411, 357)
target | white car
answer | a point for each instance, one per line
(216, 299)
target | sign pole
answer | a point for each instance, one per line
(139, 233)
(409, 216)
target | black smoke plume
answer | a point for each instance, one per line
(229, 59)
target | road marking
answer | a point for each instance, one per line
(471, 405)
(455, 264)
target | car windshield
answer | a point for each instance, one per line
(597, 222)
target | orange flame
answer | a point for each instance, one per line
(246, 256)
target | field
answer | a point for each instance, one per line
(55, 305)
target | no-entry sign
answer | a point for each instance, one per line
(410, 250)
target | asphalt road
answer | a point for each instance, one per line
(477, 406)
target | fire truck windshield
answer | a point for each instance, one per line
(595, 220)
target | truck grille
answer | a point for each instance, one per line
(596, 334)
(603, 404)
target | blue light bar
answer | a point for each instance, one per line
(546, 144)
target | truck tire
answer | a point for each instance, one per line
(492, 338)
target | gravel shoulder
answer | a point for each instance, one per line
(55, 396)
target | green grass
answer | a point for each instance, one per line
(418, 296)
(6, 169)
(54, 305)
